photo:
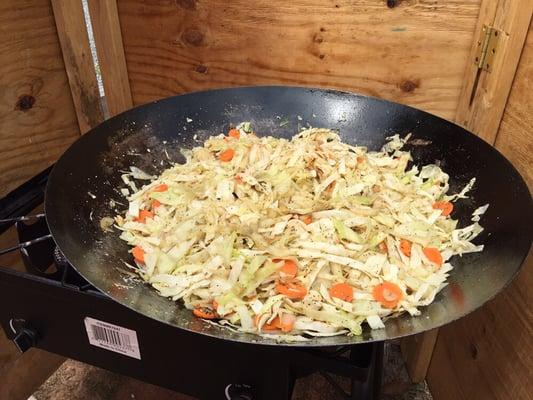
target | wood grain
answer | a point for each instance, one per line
(414, 53)
(417, 351)
(515, 137)
(108, 39)
(37, 118)
(483, 115)
(79, 65)
(489, 354)
(22, 374)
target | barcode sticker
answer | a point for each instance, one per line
(112, 337)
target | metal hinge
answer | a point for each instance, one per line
(487, 46)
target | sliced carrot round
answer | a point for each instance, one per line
(234, 133)
(388, 294)
(383, 247)
(155, 204)
(285, 323)
(445, 206)
(160, 188)
(289, 269)
(433, 255)
(204, 312)
(272, 326)
(307, 219)
(291, 290)
(143, 214)
(342, 291)
(138, 254)
(226, 155)
(405, 247)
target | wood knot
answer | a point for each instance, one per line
(473, 351)
(322, 29)
(318, 38)
(408, 85)
(186, 4)
(25, 102)
(201, 69)
(321, 56)
(193, 37)
(393, 3)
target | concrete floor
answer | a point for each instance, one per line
(78, 381)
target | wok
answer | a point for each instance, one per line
(85, 182)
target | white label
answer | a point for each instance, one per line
(112, 337)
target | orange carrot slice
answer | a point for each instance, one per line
(226, 155)
(405, 247)
(155, 204)
(307, 219)
(234, 133)
(138, 254)
(285, 323)
(341, 291)
(143, 214)
(445, 206)
(272, 326)
(292, 290)
(204, 312)
(289, 269)
(433, 255)
(388, 294)
(160, 188)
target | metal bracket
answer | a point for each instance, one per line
(487, 46)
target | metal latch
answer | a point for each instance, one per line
(487, 46)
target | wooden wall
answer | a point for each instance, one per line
(37, 118)
(37, 123)
(489, 354)
(414, 52)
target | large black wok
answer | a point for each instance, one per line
(87, 177)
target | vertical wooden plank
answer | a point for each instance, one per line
(77, 56)
(482, 111)
(108, 39)
(481, 114)
(417, 351)
(37, 117)
(23, 374)
(489, 354)
(515, 137)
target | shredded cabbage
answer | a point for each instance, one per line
(296, 238)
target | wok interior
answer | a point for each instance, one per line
(87, 178)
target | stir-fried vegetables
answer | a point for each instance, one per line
(287, 239)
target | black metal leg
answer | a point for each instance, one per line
(371, 359)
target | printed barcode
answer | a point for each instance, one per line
(112, 337)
